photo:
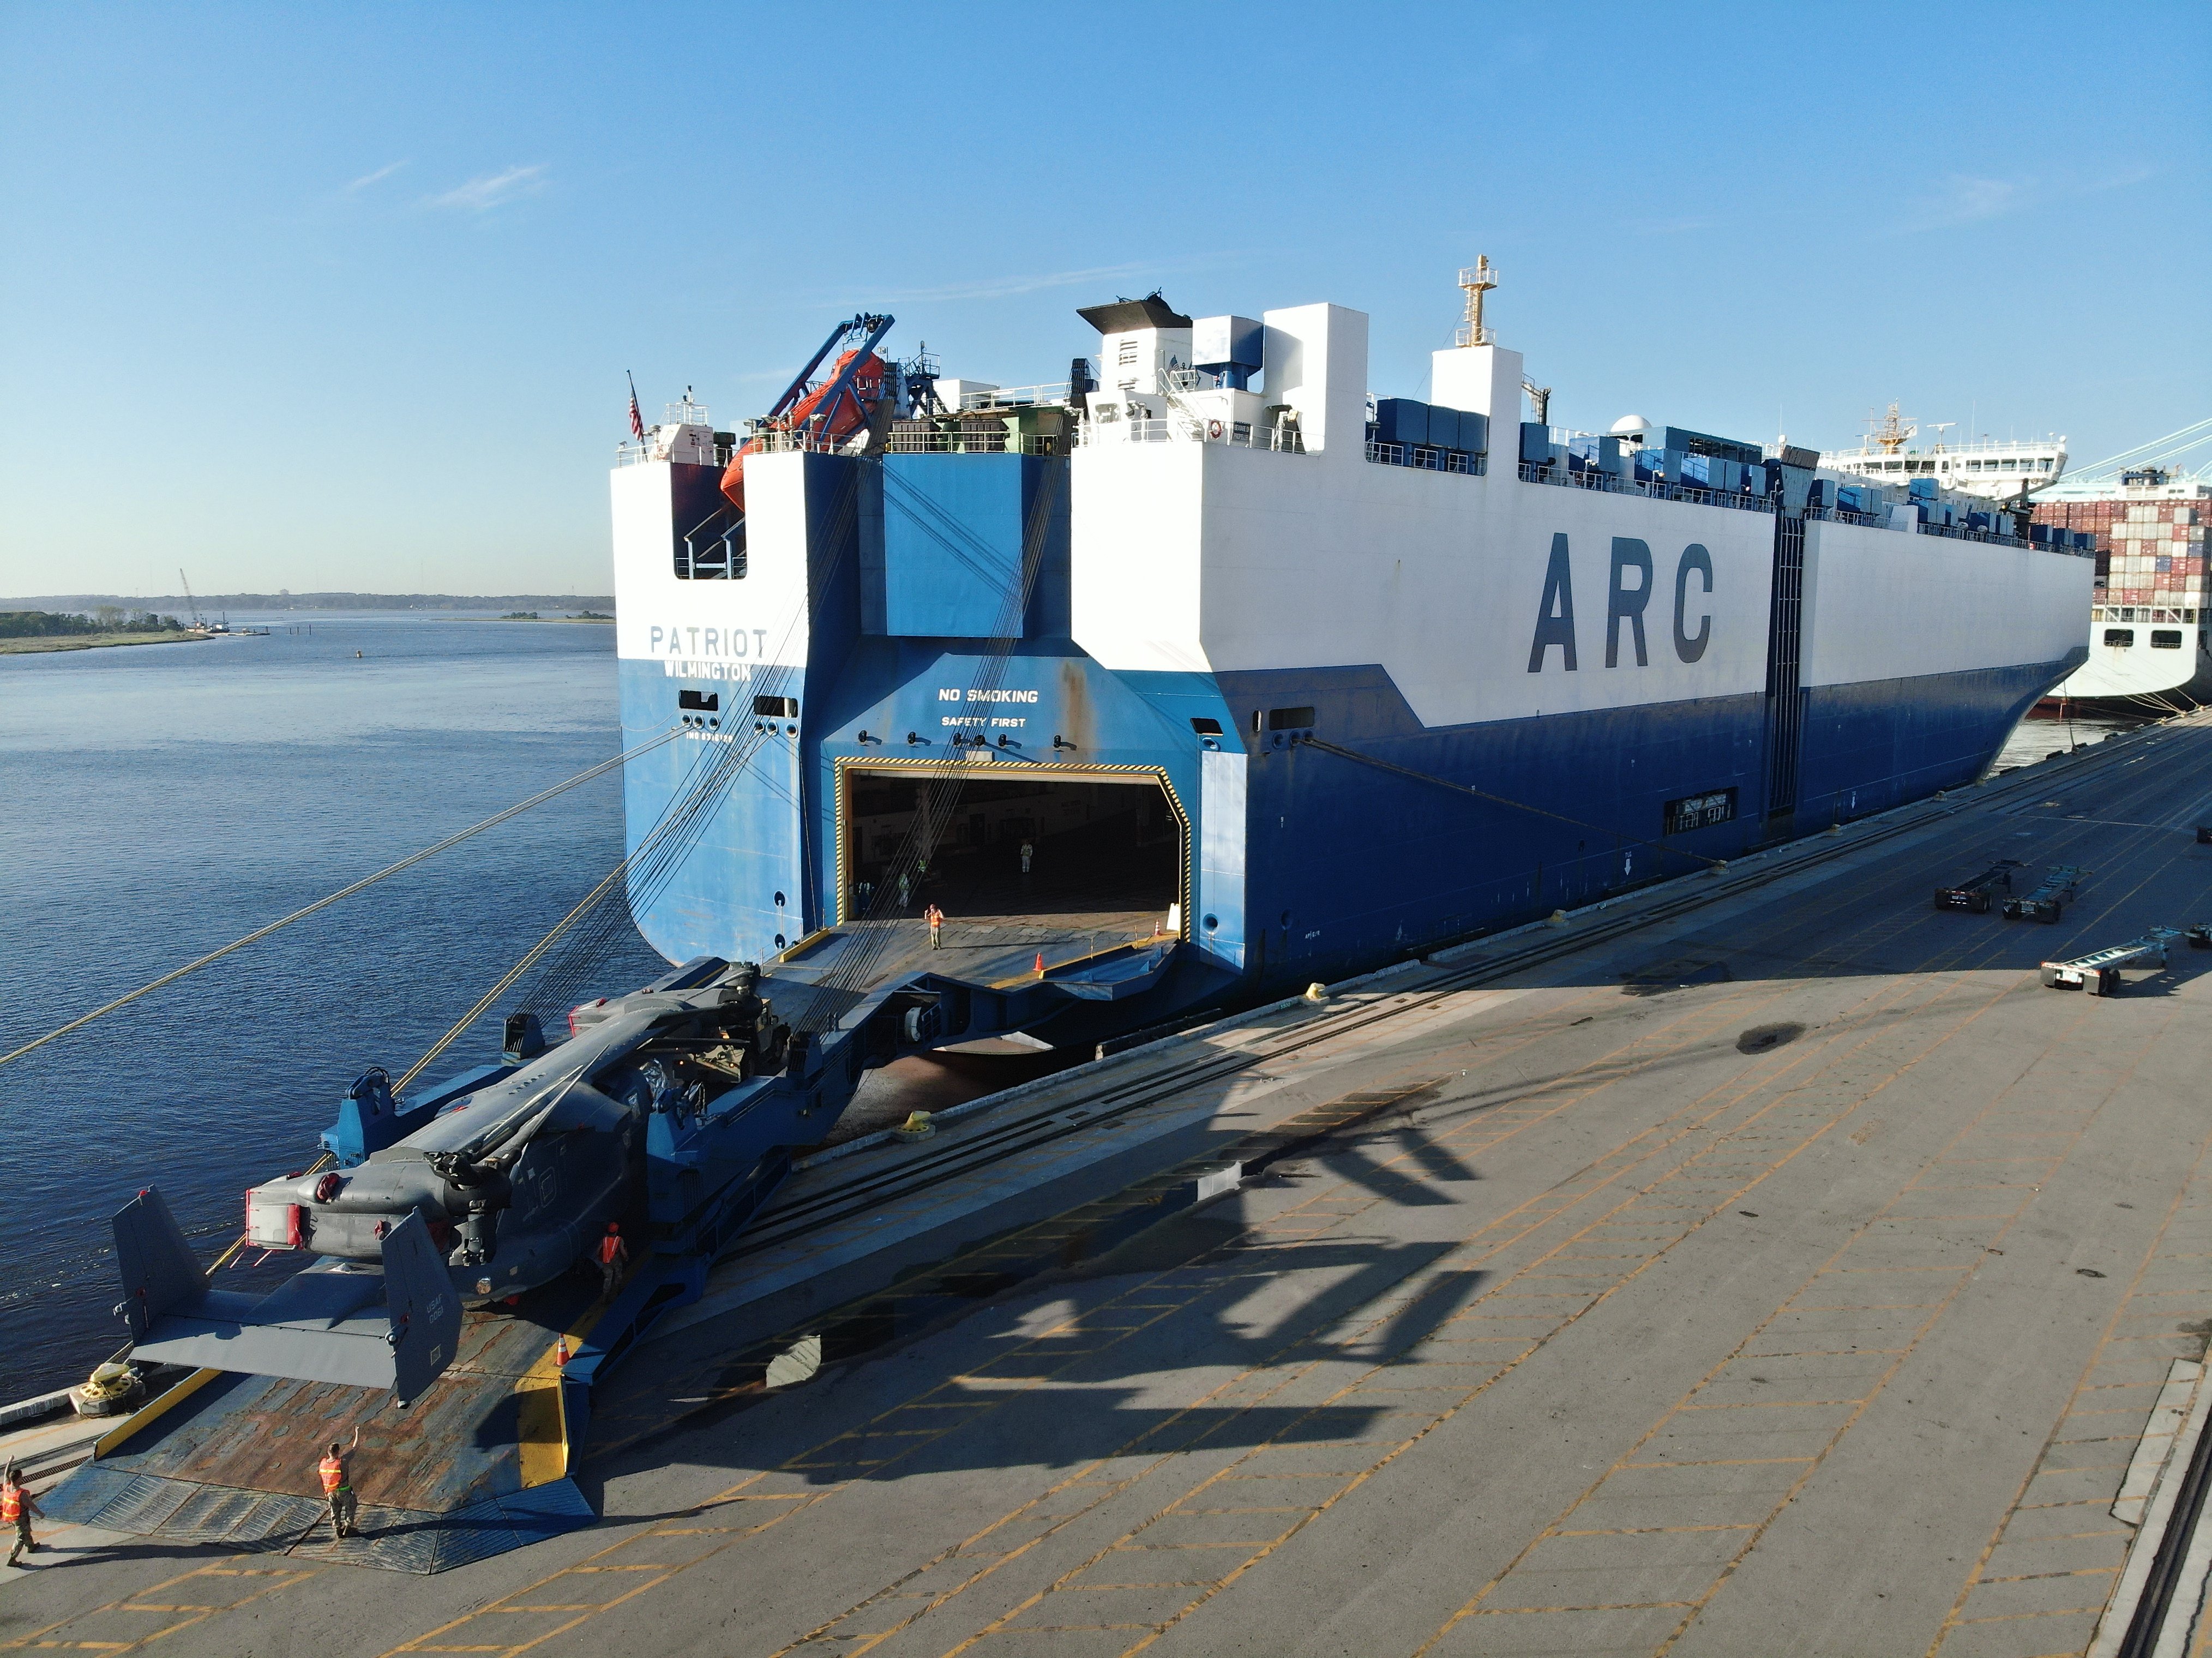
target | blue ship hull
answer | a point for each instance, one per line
(1296, 862)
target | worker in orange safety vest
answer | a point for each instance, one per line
(613, 1252)
(16, 1508)
(337, 1471)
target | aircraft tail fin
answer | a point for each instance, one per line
(161, 1274)
(424, 1308)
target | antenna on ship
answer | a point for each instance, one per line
(1477, 279)
(1890, 432)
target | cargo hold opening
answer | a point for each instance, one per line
(1100, 849)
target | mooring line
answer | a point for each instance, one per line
(259, 933)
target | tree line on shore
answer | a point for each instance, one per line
(283, 600)
(102, 619)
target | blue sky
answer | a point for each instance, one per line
(324, 297)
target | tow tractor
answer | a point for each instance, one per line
(2099, 972)
(1974, 894)
(2049, 900)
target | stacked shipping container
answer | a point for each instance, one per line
(2149, 552)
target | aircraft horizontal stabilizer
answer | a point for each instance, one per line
(338, 1321)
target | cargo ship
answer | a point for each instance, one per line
(970, 724)
(1997, 469)
(2150, 641)
(1259, 675)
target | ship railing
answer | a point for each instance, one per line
(2153, 613)
(777, 440)
(1610, 483)
(1424, 459)
(1954, 532)
(1193, 380)
(1015, 396)
(1235, 434)
(973, 443)
(1960, 533)
(637, 454)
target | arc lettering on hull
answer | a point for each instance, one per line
(1624, 607)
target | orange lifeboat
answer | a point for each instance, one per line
(829, 414)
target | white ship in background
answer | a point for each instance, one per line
(1997, 471)
(2150, 633)
(2150, 629)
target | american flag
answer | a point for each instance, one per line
(637, 420)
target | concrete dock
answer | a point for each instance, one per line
(1766, 1263)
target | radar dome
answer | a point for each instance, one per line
(1628, 423)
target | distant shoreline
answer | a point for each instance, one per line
(39, 644)
(308, 603)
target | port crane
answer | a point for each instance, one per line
(199, 625)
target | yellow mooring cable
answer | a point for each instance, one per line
(539, 799)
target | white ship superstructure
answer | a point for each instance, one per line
(1995, 470)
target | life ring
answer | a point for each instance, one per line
(1214, 431)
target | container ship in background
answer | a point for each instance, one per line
(1263, 679)
(2149, 645)
(2150, 641)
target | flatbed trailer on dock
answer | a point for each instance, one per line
(1757, 1262)
(2099, 973)
(2050, 896)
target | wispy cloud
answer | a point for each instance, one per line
(1002, 288)
(368, 179)
(1962, 198)
(493, 188)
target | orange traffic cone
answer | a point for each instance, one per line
(1040, 964)
(561, 1352)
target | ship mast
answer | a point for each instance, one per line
(1893, 432)
(1477, 280)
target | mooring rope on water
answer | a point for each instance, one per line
(597, 894)
(407, 862)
